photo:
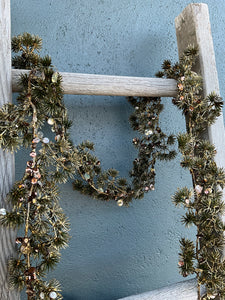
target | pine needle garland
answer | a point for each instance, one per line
(203, 202)
(35, 198)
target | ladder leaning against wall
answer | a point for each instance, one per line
(192, 27)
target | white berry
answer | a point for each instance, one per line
(51, 121)
(2, 211)
(45, 140)
(53, 295)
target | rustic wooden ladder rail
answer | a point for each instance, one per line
(192, 27)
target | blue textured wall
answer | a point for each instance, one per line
(115, 252)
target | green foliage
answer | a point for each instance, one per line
(27, 44)
(34, 199)
(186, 262)
(204, 205)
(151, 143)
(183, 197)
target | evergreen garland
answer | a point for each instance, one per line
(152, 144)
(35, 197)
(203, 203)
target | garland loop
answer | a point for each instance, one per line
(34, 198)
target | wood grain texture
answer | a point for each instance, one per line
(7, 236)
(194, 21)
(186, 290)
(91, 84)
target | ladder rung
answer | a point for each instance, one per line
(91, 84)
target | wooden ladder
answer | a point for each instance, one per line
(192, 27)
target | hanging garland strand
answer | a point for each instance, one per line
(152, 145)
(204, 202)
(34, 198)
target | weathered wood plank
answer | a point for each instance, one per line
(7, 236)
(194, 21)
(91, 84)
(186, 290)
(193, 27)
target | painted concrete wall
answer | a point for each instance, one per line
(115, 252)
